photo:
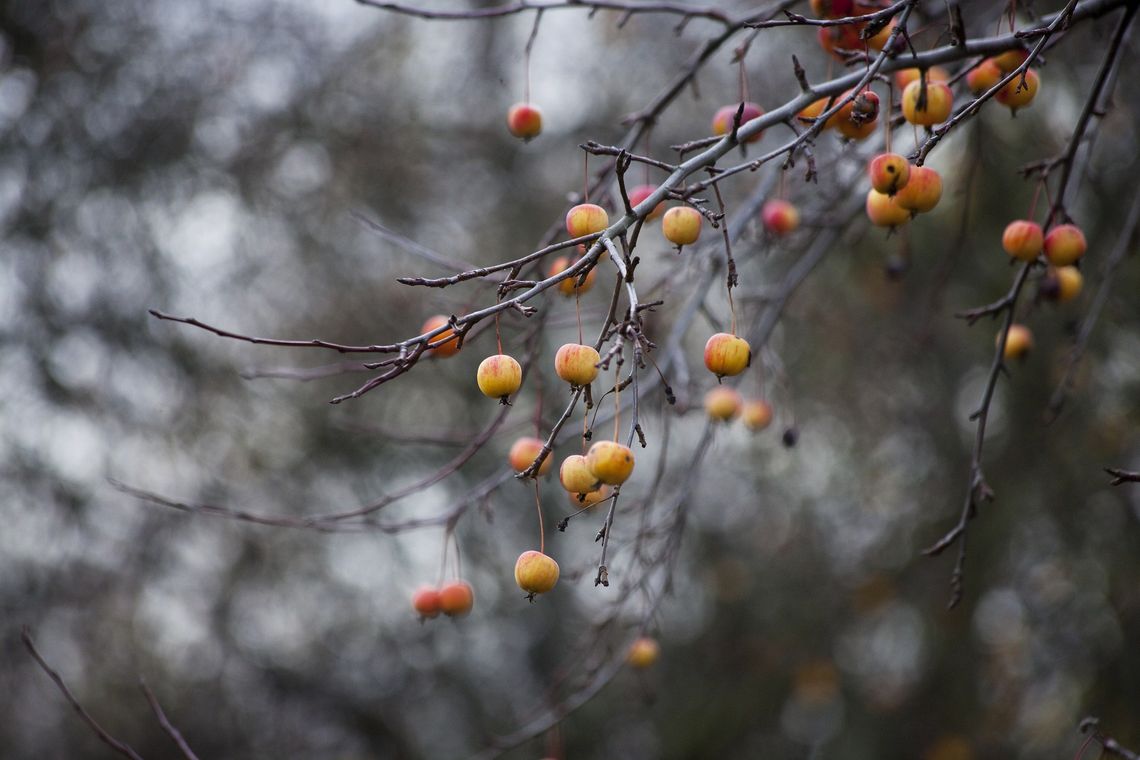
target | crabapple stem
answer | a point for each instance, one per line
(541, 528)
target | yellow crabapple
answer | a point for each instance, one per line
(1017, 343)
(576, 363)
(681, 225)
(610, 462)
(498, 376)
(722, 403)
(586, 219)
(535, 572)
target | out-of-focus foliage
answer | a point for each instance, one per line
(205, 159)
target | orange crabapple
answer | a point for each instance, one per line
(922, 192)
(1010, 59)
(456, 598)
(586, 219)
(681, 225)
(570, 286)
(1016, 96)
(576, 363)
(498, 376)
(857, 130)
(1022, 239)
(723, 403)
(426, 602)
(535, 572)
(610, 462)
(879, 40)
(1064, 245)
(523, 453)
(450, 343)
(811, 112)
(524, 120)
(983, 76)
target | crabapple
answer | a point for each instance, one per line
(681, 225)
(780, 217)
(727, 354)
(1064, 245)
(643, 652)
(889, 173)
(589, 498)
(586, 219)
(637, 196)
(577, 364)
(1016, 96)
(535, 572)
(524, 120)
(922, 192)
(757, 414)
(499, 375)
(1062, 284)
(904, 77)
(610, 462)
(1022, 239)
(426, 601)
(575, 475)
(722, 403)
(570, 286)
(939, 103)
(1017, 343)
(1010, 59)
(456, 598)
(983, 76)
(447, 340)
(523, 453)
(884, 211)
(723, 120)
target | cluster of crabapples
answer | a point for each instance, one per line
(587, 478)
(899, 191)
(454, 599)
(1062, 248)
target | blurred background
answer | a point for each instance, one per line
(206, 159)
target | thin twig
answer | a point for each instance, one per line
(167, 726)
(119, 746)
